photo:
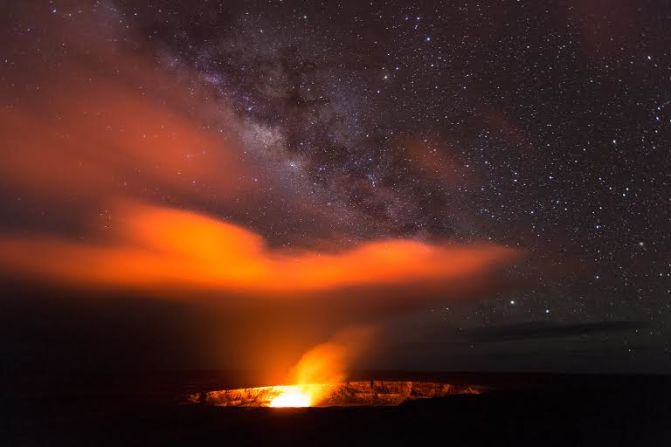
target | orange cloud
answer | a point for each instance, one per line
(100, 138)
(161, 247)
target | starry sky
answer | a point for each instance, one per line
(543, 128)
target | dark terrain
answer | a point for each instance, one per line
(524, 409)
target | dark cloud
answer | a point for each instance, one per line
(537, 330)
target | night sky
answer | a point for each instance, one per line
(539, 127)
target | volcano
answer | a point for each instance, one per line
(346, 394)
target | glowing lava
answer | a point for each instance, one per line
(319, 380)
(292, 396)
(345, 394)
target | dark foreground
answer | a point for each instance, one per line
(526, 409)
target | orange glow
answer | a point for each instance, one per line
(154, 246)
(112, 124)
(346, 394)
(328, 362)
(323, 368)
(95, 140)
(293, 396)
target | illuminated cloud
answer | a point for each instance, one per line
(158, 247)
